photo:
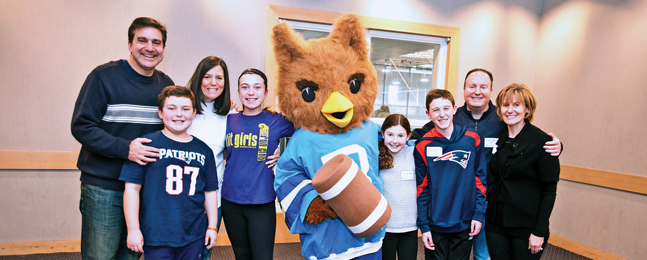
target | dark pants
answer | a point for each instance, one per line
(454, 246)
(251, 229)
(502, 246)
(405, 245)
(191, 251)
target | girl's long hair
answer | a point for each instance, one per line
(386, 158)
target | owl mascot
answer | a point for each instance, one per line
(326, 88)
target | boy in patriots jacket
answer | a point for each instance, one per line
(450, 176)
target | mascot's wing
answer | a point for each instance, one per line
(295, 192)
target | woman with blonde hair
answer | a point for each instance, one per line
(524, 192)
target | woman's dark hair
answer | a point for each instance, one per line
(386, 158)
(223, 102)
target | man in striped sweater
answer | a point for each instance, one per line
(116, 104)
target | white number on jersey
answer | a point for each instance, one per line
(348, 150)
(174, 175)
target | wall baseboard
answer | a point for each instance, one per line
(40, 247)
(580, 249)
(64, 246)
(71, 246)
(282, 236)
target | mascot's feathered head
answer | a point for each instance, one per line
(326, 85)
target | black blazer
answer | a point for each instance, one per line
(528, 187)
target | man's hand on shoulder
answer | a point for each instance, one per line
(140, 153)
(553, 147)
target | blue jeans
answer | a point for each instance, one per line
(103, 226)
(480, 250)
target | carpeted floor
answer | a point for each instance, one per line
(287, 251)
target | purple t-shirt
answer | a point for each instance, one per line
(249, 140)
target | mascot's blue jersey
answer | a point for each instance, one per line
(306, 152)
(172, 193)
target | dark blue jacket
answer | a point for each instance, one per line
(488, 127)
(450, 180)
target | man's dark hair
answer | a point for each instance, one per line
(481, 70)
(143, 22)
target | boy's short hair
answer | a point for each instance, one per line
(176, 91)
(143, 22)
(438, 93)
(523, 95)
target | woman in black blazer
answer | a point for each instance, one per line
(524, 191)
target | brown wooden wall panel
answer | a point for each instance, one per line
(38, 160)
(42, 160)
(612, 180)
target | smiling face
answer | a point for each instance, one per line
(146, 50)
(477, 91)
(213, 84)
(514, 112)
(395, 138)
(441, 112)
(177, 115)
(252, 93)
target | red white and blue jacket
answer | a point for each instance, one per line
(450, 180)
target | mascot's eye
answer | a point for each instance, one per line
(308, 95)
(355, 85)
(355, 82)
(308, 89)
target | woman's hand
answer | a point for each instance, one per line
(535, 243)
(428, 241)
(272, 159)
(233, 105)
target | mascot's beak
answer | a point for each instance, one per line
(338, 109)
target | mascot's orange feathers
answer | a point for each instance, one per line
(325, 85)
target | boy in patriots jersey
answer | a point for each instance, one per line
(450, 176)
(165, 201)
